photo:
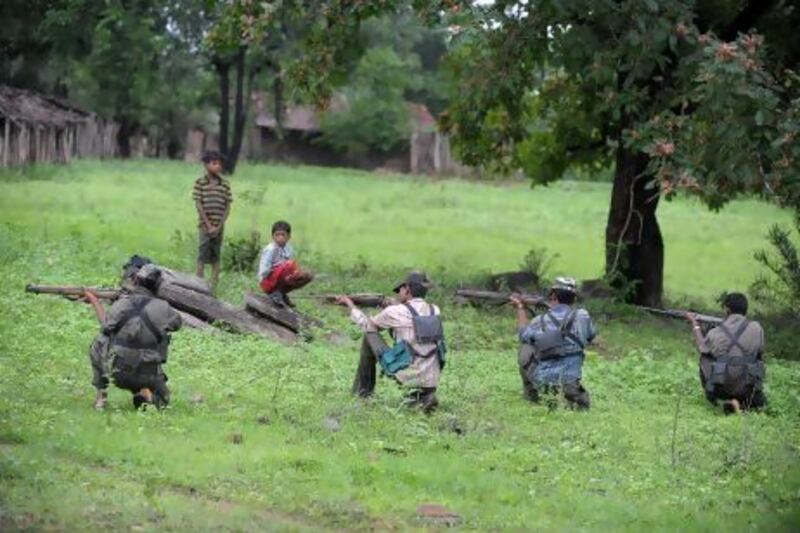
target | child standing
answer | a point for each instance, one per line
(278, 272)
(212, 198)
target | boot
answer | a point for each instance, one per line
(144, 396)
(731, 407)
(287, 301)
(277, 298)
(101, 400)
(428, 401)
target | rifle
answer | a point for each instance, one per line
(73, 292)
(531, 301)
(364, 299)
(706, 320)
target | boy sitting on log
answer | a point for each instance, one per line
(278, 272)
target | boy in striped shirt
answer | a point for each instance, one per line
(212, 198)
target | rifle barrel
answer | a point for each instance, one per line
(72, 290)
(681, 314)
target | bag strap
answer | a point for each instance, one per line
(411, 309)
(566, 328)
(552, 318)
(734, 337)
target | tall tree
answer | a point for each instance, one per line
(676, 97)
(113, 64)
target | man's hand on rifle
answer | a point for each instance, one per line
(89, 297)
(344, 300)
(692, 318)
(516, 300)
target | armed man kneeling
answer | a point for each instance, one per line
(418, 356)
(134, 339)
(551, 354)
(731, 358)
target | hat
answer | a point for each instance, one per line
(414, 277)
(565, 284)
(212, 155)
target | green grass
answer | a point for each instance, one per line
(651, 454)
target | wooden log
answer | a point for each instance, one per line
(209, 308)
(263, 306)
(194, 322)
(187, 281)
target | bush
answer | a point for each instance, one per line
(539, 262)
(242, 254)
(779, 287)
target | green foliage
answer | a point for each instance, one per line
(651, 453)
(779, 287)
(375, 115)
(241, 254)
(539, 262)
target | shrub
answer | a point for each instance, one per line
(242, 253)
(779, 287)
(539, 262)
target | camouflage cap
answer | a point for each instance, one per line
(565, 284)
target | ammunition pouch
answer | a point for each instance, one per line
(735, 376)
(396, 358)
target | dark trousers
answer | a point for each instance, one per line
(576, 395)
(372, 346)
(144, 376)
(754, 399)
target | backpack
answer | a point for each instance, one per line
(428, 330)
(736, 376)
(133, 359)
(552, 344)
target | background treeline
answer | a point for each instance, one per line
(159, 67)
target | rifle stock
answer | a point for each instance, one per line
(73, 291)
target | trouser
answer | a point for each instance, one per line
(285, 278)
(372, 346)
(574, 392)
(144, 376)
(754, 399)
(99, 359)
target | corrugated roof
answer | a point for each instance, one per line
(20, 105)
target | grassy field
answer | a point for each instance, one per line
(266, 437)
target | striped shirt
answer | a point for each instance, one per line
(214, 196)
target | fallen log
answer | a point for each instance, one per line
(182, 279)
(209, 308)
(262, 305)
(192, 321)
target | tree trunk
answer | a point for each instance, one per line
(124, 133)
(634, 247)
(239, 113)
(223, 68)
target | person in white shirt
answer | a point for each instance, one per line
(413, 362)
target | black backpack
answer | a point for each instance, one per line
(552, 344)
(736, 376)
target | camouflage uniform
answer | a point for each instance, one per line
(133, 343)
